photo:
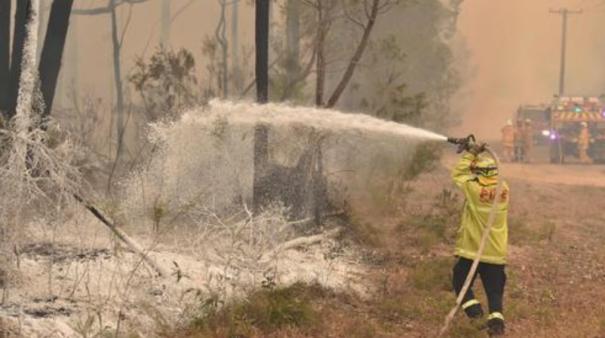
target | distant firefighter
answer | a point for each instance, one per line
(528, 140)
(584, 143)
(518, 141)
(508, 141)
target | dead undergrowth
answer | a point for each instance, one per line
(555, 270)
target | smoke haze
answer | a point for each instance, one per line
(513, 45)
(515, 54)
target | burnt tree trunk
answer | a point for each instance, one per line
(261, 132)
(5, 30)
(52, 52)
(22, 15)
(262, 51)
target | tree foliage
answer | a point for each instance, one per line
(167, 83)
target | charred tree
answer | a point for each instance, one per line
(302, 188)
(52, 52)
(261, 132)
(262, 51)
(22, 15)
(5, 12)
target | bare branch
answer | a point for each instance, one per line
(125, 28)
(155, 25)
(310, 3)
(181, 10)
(348, 74)
(350, 17)
(302, 76)
(253, 81)
(105, 9)
(121, 235)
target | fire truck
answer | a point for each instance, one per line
(565, 116)
(538, 115)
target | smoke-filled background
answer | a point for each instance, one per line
(514, 50)
(508, 51)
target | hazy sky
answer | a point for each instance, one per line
(188, 30)
(515, 49)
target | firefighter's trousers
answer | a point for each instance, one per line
(493, 278)
(583, 154)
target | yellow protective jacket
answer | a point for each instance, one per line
(479, 199)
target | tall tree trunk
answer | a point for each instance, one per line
(52, 53)
(5, 30)
(166, 23)
(262, 51)
(293, 40)
(117, 74)
(22, 15)
(320, 79)
(261, 133)
(235, 67)
(348, 74)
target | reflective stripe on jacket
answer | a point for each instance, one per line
(477, 206)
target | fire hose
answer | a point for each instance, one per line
(465, 144)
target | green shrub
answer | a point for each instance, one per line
(433, 275)
(397, 308)
(424, 159)
(266, 310)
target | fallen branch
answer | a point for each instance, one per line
(122, 236)
(300, 241)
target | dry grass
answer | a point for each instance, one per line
(555, 269)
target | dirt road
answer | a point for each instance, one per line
(568, 174)
(572, 174)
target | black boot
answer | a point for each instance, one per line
(474, 311)
(495, 327)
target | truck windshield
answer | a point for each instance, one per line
(533, 114)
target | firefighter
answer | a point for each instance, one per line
(528, 140)
(476, 175)
(584, 143)
(518, 141)
(508, 141)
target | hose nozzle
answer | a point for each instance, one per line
(463, 143)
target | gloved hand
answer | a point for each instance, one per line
(476, 148)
